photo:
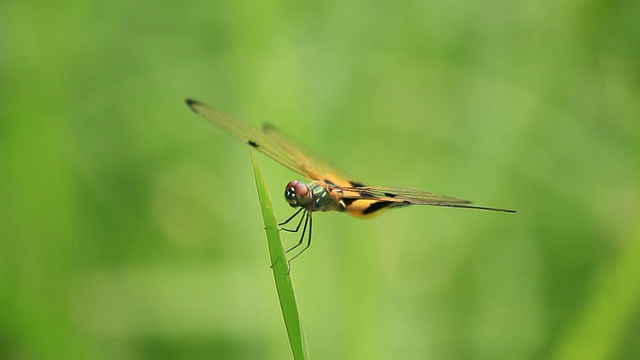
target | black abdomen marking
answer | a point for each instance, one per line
(348, 201)
(376, 206)
(253, 143)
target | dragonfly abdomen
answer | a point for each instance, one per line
(366, 208)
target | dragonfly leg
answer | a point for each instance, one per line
(301, 239)
(297, 226)
(291, 218)
(306, 217)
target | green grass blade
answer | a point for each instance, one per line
(280, 269)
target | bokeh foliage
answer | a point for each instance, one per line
(124, 217)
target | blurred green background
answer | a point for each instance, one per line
(130, 228)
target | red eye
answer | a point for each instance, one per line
(301, 189)
(297, 193)
(292, 184)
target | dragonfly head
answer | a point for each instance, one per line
(297, 194)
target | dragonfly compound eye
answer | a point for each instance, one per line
(297, 193)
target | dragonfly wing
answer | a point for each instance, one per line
(286, 154)
(369, 200)
(307, 158)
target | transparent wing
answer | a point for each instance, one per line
(305, 157)
(269, 141)
(407, 197)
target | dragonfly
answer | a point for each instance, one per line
(329, 189)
